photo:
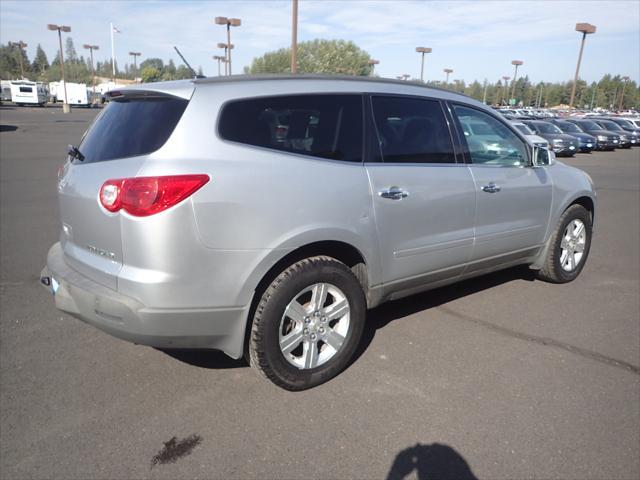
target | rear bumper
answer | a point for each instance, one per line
(126, 318)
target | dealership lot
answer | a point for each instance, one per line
(499, 377)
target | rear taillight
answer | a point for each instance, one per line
(144, 196)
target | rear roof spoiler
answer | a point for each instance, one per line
(180, 89)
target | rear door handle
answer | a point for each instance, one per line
(491, 188)
(394, 193)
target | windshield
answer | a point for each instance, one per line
(589, 125)
(609, 125)
(569, 127)
(625, 123)
(547, 128)
(524, 129)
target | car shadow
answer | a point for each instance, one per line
(8, 128)
(386, 313)
(430, 462)
(377, 318)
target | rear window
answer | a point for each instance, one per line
(131, 126)
(26, 90)
(326, 126)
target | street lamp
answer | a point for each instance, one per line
(373, 64)
(135, 55)
(229, 22)
(218, 58)
(227, 47)
(66, 29)
(448, 71)
(516, 64)
(422, 51)
(20, 46)
(91, 48)
(585, 29)
(624, 86)
(504, 87)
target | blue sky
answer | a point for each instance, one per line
(477, 39)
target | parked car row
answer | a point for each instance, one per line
(568, 135)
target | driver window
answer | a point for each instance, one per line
(490, 142)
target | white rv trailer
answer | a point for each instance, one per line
(25, 92)
(77, 93)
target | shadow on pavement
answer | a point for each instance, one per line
(205, 358)
(8, 128)
(386, 313)
(376, 319)
(430, 462)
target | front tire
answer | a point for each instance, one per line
(307, 324)
(569, 246)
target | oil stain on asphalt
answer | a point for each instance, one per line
(175, 449)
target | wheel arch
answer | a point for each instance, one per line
(342, 251)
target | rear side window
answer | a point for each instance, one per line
(411, 130)
(132, 126)
(326, 126)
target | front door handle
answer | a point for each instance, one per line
(394, 193)
(491, 188)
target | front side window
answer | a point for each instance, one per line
(489, 141)
(411, 130)
(326, 126)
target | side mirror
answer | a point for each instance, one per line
(543, 157)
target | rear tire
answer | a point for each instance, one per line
(569, 246)
(307, 324)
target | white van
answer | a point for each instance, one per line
(24, 92)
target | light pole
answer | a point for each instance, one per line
(422, 51)
(229, 22)
(484, 92)
(66, 29)
(585, 29)
(505, 87)
(624, 86)
(448, 71)
(226, 47)
(294, 37)
(372, 63)
(516, 64)
(20, 46)
(218, 58)
(91, 48)
(135, 55)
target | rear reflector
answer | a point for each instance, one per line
(144, 196)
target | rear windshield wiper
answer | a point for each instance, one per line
(74, 152)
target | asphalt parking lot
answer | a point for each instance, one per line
(499, 377)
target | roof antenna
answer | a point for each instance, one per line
(193, 72)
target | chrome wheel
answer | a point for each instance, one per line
(314, 326)
(572, 245)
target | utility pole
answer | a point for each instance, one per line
(20, 46)
(135, 65)
(585, 29)
(624, 86)
(516, 64)
(229, 22)
(62, 28)
(484, 92)
(91, 48)
(294, 37)
(422, 51)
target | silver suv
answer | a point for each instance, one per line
(264, 215)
